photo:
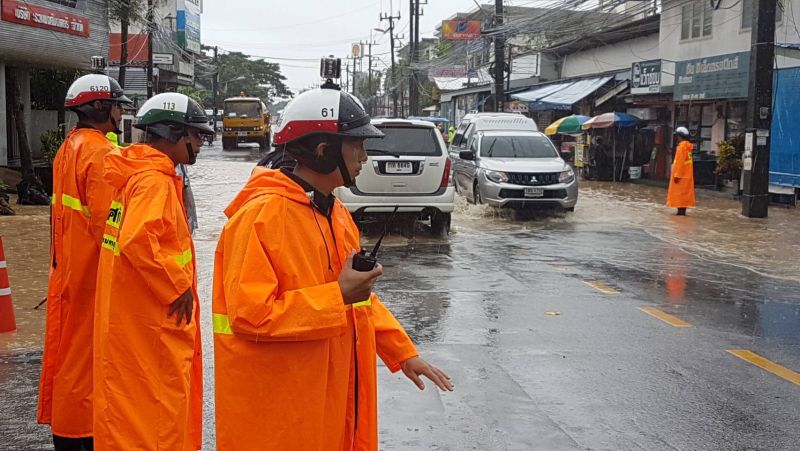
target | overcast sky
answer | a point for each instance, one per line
(309, 29)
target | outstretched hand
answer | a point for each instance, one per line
(415, 367)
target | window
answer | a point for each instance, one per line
(420, 141)
(696, 20)
(747, 13)
(517, 147)
(250, 110)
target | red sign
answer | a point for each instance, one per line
(461, 30)
(23, 13)
(137, 49)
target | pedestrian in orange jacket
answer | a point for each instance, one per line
(147, 364)
(681, 184)
(297, 330)
(78, 214)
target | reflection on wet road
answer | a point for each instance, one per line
(620, 326)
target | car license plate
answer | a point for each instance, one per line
(534, 192)
(242, 133)
(398, 167)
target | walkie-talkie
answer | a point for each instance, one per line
(366, 262)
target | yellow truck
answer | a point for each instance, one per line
(246, 120)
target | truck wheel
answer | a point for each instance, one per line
(228, 143)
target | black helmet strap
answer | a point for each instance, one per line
(348, 181)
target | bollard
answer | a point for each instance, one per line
(7, 321)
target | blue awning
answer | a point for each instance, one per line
(560, 96)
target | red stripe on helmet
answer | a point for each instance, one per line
(297, 129)
(86, 97)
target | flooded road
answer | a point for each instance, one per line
(617, 326)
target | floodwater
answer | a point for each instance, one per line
(536, 318)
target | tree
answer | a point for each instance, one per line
(30, 189)
(201, 96)
(239, 72)
(126, 13)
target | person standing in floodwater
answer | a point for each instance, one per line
(681, 184)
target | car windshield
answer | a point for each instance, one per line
(241, 109)
(420, 141)
(536, 146)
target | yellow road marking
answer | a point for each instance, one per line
(600, 286)
(666, 317)
(772, 367)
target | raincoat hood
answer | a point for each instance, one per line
(267, 181)
(121, 164)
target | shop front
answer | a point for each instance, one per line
(710, 96)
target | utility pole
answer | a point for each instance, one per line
(215, 86)
(369, 74)
(150, 48)
(391, 20)
(755, 198)
(499, 57)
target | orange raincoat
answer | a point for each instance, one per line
(681, 193)
(147, 371)
(295, 369)
(78, 215)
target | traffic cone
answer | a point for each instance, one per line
(7, 321)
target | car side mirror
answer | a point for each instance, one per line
(466, 155)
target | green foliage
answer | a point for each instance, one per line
(51, 141)
(132, 11)
(443, 48)
(49, 87)
(729, 160)
(201, 96)
(254, 77)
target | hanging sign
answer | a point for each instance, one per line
(23, 13)
(461, 30)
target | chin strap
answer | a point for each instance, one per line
(348, 181)
(114, 124)
(191, 153)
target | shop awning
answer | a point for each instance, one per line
(561, 96)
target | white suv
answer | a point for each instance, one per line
(409, 168)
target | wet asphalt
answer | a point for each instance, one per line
(607, 329)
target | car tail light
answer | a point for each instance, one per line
(446, 176)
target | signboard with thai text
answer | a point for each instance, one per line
(23, 13)
(189, 25)
(461, 30)
(646, 77)
(448, 72)
(713, 77)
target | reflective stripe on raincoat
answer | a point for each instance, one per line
(78, 214)
(147, 371)
(294, 368)
(681, 194)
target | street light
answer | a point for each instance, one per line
(381, 30)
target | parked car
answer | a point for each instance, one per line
(408, 168)
(475, 122)
(514, 169)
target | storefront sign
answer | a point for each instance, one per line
(23, 13)
(714, 77)
(189, 25)
(166, 59)
(448, 72)
(461, 30)
(646, 77)
(517, 107)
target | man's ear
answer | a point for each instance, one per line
(321, 149)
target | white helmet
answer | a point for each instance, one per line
(324, 111)
(89, 88)
(683, 132)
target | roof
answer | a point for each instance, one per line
(404, 122)
(561, 95)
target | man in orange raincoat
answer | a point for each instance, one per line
(681, 185)
(78, 215)
(147, 364)
(297, 330)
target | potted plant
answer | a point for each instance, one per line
(729, 162)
